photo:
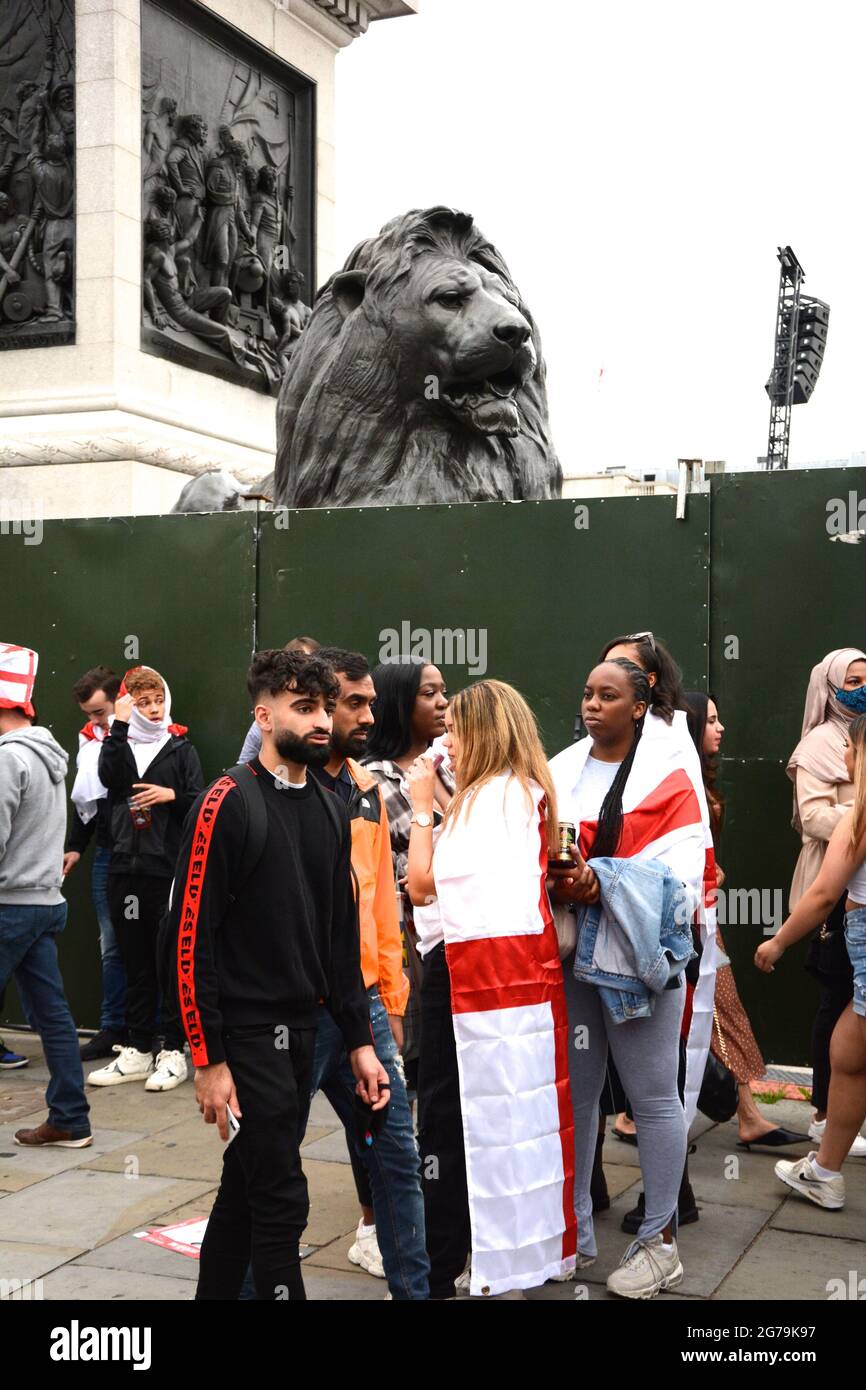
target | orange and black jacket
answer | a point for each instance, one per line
(381, 946)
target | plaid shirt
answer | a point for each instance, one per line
(395, 794)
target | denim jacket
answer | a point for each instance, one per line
(636, 939)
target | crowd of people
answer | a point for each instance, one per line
(395, 898)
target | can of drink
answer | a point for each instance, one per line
(141, 817)
(566, 836)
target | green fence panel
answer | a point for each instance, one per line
(538, 588)
(183, 588)
(783, 594)
(545, 584)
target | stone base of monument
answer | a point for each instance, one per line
(116, 119)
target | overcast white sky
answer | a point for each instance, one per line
(637, 164)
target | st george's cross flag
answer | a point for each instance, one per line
(511, 1031)
(665, 817)
(17, 677)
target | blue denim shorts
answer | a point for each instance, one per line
(855, 940)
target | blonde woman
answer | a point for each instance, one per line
(819, 1176)
(495, 1125)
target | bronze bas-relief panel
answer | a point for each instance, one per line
(37, 173)
(227, 198)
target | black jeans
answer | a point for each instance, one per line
(136, 903)
(440, 1133)
(262, 1205)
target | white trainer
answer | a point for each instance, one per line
(857, 1149)
(128, 1065)
(170, 1071)
(365, 1251)
(646, 1269)
(801, 1176)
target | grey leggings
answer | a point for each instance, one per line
(646, 1053)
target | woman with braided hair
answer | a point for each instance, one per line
(632, 795)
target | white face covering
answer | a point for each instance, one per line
(147, 737)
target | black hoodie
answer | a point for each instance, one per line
(151, 851)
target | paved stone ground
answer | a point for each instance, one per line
(67, 1215)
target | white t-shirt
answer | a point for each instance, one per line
(594, 785)
(428, 918)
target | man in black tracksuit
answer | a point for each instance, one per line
(254, 960)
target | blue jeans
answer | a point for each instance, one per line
(29, 952)
(392, 1163)
(112, 1015)
(855, 940)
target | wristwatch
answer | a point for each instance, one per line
(422, 818)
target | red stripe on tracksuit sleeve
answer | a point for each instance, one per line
(189, 912)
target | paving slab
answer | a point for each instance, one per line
(709, 1248)
(329, 1284)
(187, 1149)
(615, 1152)
(25, 1260)
(331, 1148)
(799, 1214)
(334, 1256)
(197, 1207)
(130, 1106)
(784, 1265)
(21, 1166)
(20, 1099)
(141, 1257)
(333, 1201)
(86, 1208)
(77, 1282)
(580, 1291)
(720, 1173)
(322, 1112)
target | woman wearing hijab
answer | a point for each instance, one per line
(823, 794)
(153, 776)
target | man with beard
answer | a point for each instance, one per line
(258, 948)
(387, 1173)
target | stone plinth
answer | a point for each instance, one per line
(101, 426)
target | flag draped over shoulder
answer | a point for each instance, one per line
(511, 1032)
(665, 817)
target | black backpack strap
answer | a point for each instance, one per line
(256, 835)
(329, 800)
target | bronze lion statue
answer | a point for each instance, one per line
(419, 378)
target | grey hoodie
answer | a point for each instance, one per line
(32, 817)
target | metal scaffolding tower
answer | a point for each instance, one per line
(780, 387)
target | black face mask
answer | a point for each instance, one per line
(297, 750)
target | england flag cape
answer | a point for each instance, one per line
(511, 1031)
(665, 817)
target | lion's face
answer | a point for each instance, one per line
(418, 378)
(461, 324)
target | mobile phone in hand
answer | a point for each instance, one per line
(234, 1124)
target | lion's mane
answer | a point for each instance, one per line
(344, 436)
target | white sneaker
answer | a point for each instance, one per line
(170, 1072)
(581, 1261)
(646, 1269)
(801, 1176)
(365, 1251)
(857, 1149)
(129, 1065)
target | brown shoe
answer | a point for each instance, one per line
(46, 1134)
